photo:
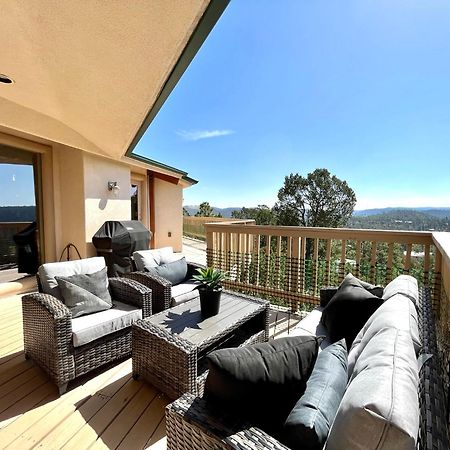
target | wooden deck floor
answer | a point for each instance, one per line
(110, 410)
(105, 410)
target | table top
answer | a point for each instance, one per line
(185, 320)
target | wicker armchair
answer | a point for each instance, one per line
(48, 338)
(193, 423)
(162, 292)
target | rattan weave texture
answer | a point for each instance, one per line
(193, 423)
(161, 288)
(172, 362)
(47, 328)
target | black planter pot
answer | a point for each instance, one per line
(209, 302)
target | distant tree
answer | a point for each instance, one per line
(205, 210)
(262, 215)
(319, 200)
(185, 212)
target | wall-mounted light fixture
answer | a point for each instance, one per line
(113, 186)
(5, 79)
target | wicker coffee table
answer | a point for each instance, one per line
(170, 348)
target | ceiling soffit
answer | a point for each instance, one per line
(87, 73)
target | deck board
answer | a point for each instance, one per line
(109, 410)
(105, 411)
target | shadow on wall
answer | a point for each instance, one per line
(102, 203)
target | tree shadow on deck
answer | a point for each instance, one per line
(23, 387)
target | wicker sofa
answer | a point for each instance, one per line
(165, 294)
(67, 347)
(194, 423)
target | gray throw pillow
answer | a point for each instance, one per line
(309, 423)
(175, 271)
(85, 293)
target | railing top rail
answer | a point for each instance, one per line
(13, 224)
(442, 242)
(388, 236)
(233, 222)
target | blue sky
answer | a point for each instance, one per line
(359, 87)
(16, 185)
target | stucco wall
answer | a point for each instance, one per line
(101, 204)
(76, 200)
(69, 198)
(168, 207)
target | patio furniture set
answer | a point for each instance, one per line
(370, 383)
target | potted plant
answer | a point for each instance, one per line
(210, 290)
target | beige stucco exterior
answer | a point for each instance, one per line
(87, 83)
(168, 205)
(75, 199)
(86, 74)
(99, 203)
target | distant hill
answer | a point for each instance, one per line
(402, 219)
(225, 212)
(409, 219)
(437, 212)
(17, 213)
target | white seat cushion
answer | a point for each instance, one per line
(311, 325)
(184, 292)
(48, 272)
(88, 328)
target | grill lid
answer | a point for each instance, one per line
(122, 237)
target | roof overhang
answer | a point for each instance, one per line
(93, 76)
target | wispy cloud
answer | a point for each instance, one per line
(196, 135)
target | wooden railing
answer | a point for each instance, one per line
(195, 226)
(289, 265)
(7, 245)
(441, 308)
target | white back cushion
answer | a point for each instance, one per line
(47, 272)
(146, 259)
(398, 312)
(403, 284)
(380, 407)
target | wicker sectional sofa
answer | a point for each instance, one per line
(195, 423)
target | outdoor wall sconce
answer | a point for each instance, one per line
(113, 186)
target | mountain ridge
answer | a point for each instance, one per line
(440, 212)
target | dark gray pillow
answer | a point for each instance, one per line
(372, 288)
(85, 293)
(309, 423)
(261, 382)
(348, 310)
(326, 293)
(175, 271)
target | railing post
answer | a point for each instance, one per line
(407, 259)
(315, 289)
(437, 278)
(373, 262)
(209, 247)
(389, 263)
(426, 265)
(328, 262)
(343, 260)
(358, 258)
